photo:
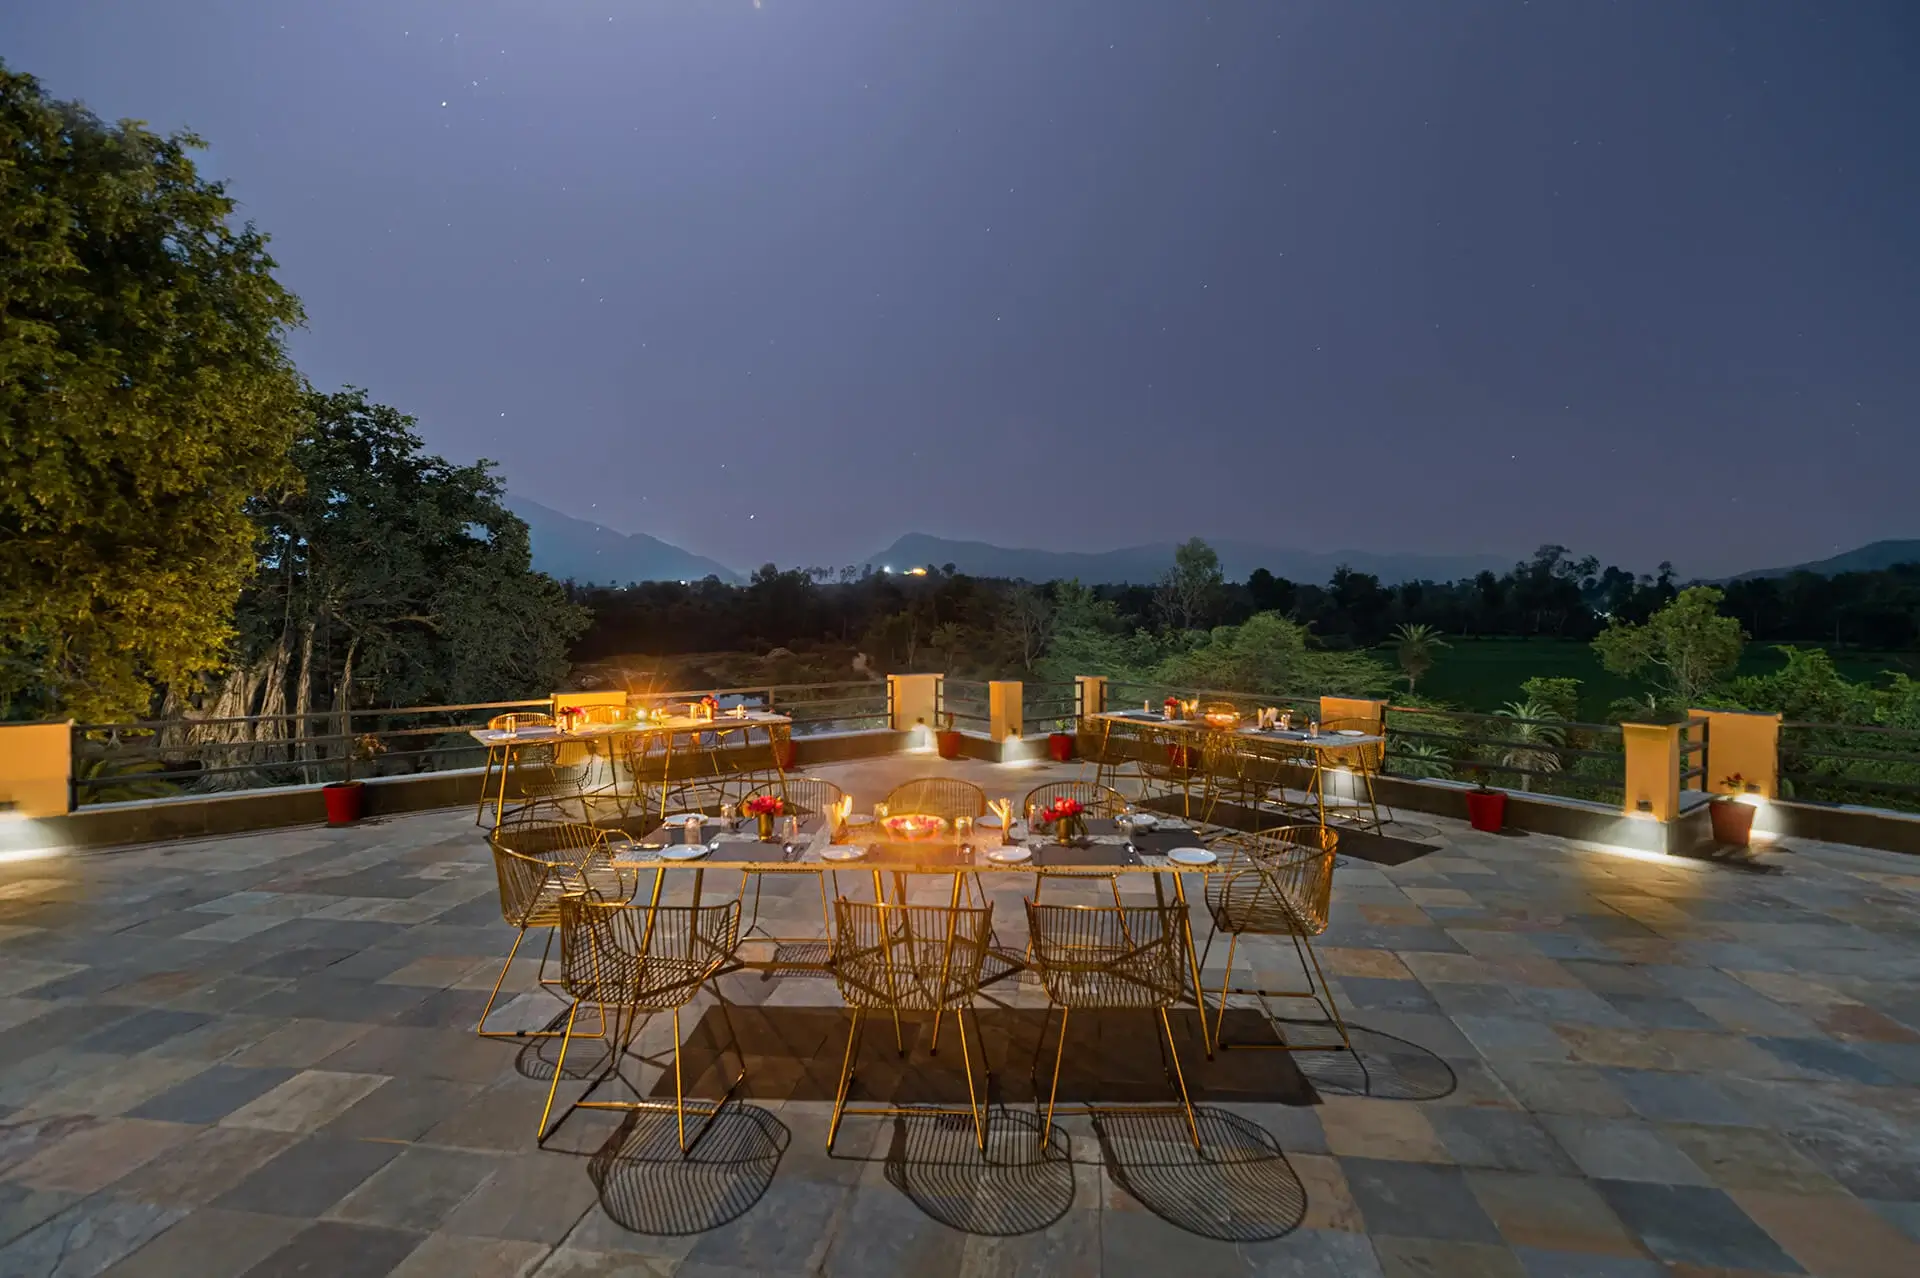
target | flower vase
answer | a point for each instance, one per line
(1066, 830)
(766, 827)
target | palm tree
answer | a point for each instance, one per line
(1532, 740)
(1414, 645)
(1418, 759)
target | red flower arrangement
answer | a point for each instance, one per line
(763, 805)
(1061, 808)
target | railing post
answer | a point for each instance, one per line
(1653, 769)
(1746, 742)
(914, 701)
(1005, 709)
(1093, 694)
(36, 769)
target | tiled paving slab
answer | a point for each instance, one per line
(252, 1056)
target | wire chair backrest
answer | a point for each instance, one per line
(1098, 800)
(536, 862)
(1097, 743)
(1368, 755)
(614, 953)
(1222, 757)
(518, 720)
(1092, 956)
(601, 715)
(803, 796)
(1276, 880)
(910, 957)
(945, 797)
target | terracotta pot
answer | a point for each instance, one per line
(345, 801)
(1487, 810)
(947, 741)
(1732, 822)
(1060, 746)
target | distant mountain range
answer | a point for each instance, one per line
(1872, 557)
(572, 549)
(1146, 564)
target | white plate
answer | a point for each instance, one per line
(1173, 827)
(1008, 856)
(683, 851)
(1141, 821)
(988, 822)
(842, 852)
(1348, 732)
(1191, 856)
(680, 818)
(859, 818)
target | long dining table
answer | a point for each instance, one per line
(1164, 853)
(627, 738)
(1319, 752)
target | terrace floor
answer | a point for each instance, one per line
(254, 1056)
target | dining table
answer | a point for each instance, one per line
(1162, 848)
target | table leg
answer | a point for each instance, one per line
(1193, 965)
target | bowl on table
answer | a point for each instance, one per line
(914, 825)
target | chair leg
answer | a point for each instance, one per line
(974, 1103)
(1179, 1076)
(846, 1079)
(1053, 1092)
(1333, 1007)
(481, 1027)
(1226, 987)
(559, 1068)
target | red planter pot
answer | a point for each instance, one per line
(789, 754)
(345, 801)
(1179, 758)
(1487, 810)
(1060, 746)
(1732, 822)
(948, 743)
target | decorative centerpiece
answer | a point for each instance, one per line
(913, 825)
(1221, 715)
(1067, 817)
(764, 808)
(1170, 709)
(706, 708)
(1731, 814)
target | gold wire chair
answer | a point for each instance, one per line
(500, 756)
(898, 958)
(800, 796)
(537, 863)
(1277, 883)
(1096, 957)
(1361, 761)
(1096, 743)
(1168, 766)
(638, 960)
(944, 797)
(1099, 800)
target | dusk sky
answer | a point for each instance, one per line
(784, 279)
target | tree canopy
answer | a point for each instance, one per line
(145, 395)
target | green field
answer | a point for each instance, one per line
(1484, 674)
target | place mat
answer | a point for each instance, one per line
(1053, 856)
(1160, 842)
(1381, 849)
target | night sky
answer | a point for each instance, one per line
(1641, 278)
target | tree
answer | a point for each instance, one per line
(1026, 621)
(1413, 647)
(395, 576)
(1272, 655)
(1558, 694)
(1687, 641)
(146, 394)
(1185, 594)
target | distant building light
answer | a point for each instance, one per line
(886, 568)
(916, 572)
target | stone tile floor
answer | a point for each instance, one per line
(254, 1056)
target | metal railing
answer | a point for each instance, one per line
(1694, 734)
(1045, 706)
(1863, 765)
(1559, 757)
(163, 758)
(965, 701)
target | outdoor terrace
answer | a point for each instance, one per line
(254, 1055)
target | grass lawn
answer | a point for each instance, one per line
(1484, 674)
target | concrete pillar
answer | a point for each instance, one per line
(1653, 770)
(1746, 742)
(36, 769)
(1373, 713)
(1093, 693)
(916, 700)
(1005, 707)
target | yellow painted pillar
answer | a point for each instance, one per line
(1653, 769)
(1373, 713)
(1004, 709)
(1093, 693)
(916, 700)
(1746, 742)
(36, 769)
(580, 700)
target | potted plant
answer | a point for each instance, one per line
(1732, 815)
(947, 740)
(1067, 817)
(1060, 742)
(346, 800)
(1486, 806)
(764, 808)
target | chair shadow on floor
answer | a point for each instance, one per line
(1237, 1187)
(1012, 1187)
(647, 1185)
(1381, 1065)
